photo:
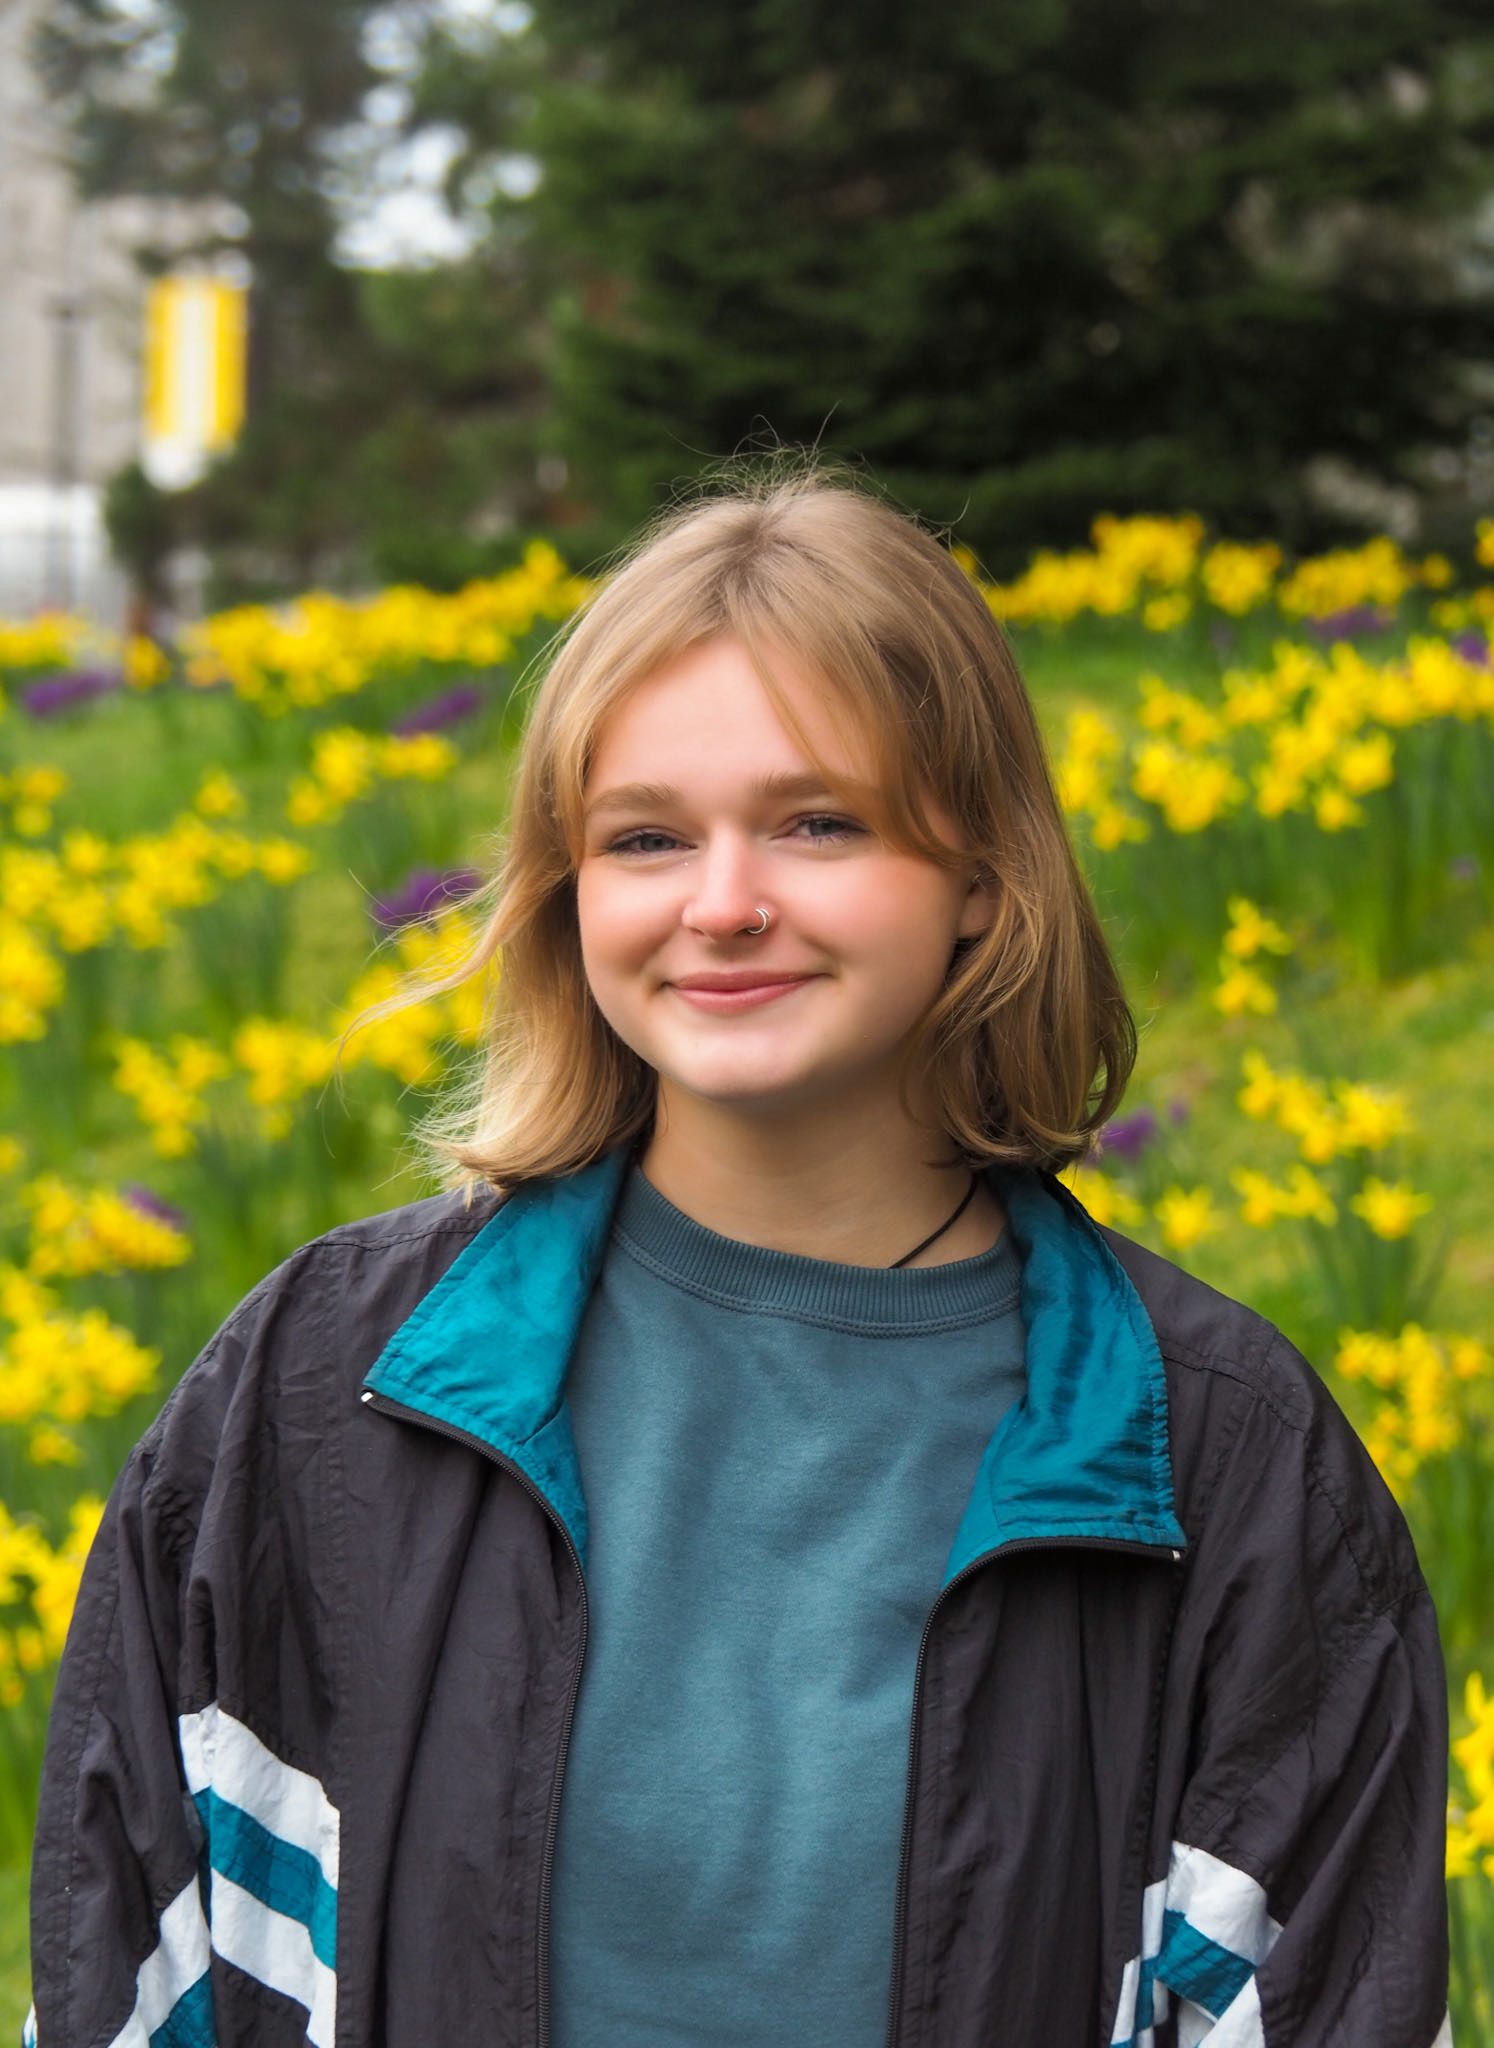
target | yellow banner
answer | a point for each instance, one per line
(196, 331)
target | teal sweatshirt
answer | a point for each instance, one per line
(776, 1453)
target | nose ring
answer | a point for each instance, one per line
(755, 931)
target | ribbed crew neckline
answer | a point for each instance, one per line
(747, 1276)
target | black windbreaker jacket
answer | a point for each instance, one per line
(1177, 1759)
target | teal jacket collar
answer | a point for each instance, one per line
(1083, 1456)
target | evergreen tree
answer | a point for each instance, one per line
(1028, 259)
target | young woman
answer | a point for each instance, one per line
(756, 1566)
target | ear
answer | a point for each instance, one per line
(979, 906)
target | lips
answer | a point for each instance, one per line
(740, 977)
(725, 993)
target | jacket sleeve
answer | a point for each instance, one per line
(1304, 1900)
(119, 1934)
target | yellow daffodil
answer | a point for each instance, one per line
(1107, 1202)
(1251, 931)
(1259, 1096)
(1260, 1202)
(1242, 990)
(1263, 1200)
(1369, 1117)
(167, 1088)
(76, 1232)
(1239, 577)
(1389, 1208)
(219, 796)
(51, 1446)
(1186, 1215)
(145, 664)
(1367, 764)
(1113, 826)
(1163, 614)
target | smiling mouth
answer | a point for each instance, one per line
(725, 994)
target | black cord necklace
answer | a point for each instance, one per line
(948, 1224)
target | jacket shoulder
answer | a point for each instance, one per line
(314, 1325)
(1256, 1435)
(395, 1253)
(457, 1215)
(1197, 1325)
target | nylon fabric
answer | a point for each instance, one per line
(221, 1755)
(1141, 2002)
(1085, 1452)
(189, 2024)
(527, 1274)
(1225, 1906)
(273, 1848)
(1205, 1930)
(280, 1876)
(397, 1611)
(277, 1950)
(1238, 2026)
(1200, 1969)
(169, 1987)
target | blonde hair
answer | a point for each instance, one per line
(1029, 1044)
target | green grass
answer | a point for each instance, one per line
(1426, 1028)
(15, 1955)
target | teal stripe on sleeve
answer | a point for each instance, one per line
(189, 2024)
(286, 1879)
(1197, 1968)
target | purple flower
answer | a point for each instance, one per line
(1355, 623)
(150, 1204)
(421, 894)
(1128, 1136)
(1464, 868)
(55, 694)
(1474, 648)
(437, 713)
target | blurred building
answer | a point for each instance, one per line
(71, 312)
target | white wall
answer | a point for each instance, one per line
(70, 333)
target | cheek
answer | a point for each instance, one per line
(901, 914)
(618, 926)
(594, 920)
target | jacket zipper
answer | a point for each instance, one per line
(977, 1564)
(383, 1405)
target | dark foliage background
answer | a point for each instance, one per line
(1027, 260)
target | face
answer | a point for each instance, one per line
(702, 812)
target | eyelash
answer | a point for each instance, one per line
(845, 828)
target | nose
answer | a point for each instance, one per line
(727, 889)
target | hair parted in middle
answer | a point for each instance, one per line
(1029, 1045)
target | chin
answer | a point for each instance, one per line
(761, 1092)
(745, 1093)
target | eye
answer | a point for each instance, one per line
(646, 839)
(823, 828)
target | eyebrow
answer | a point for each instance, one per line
(650, 796)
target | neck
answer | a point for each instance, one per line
(859, 1189)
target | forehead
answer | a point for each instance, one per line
(709, 709)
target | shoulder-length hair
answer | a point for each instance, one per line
(1028, 1046)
